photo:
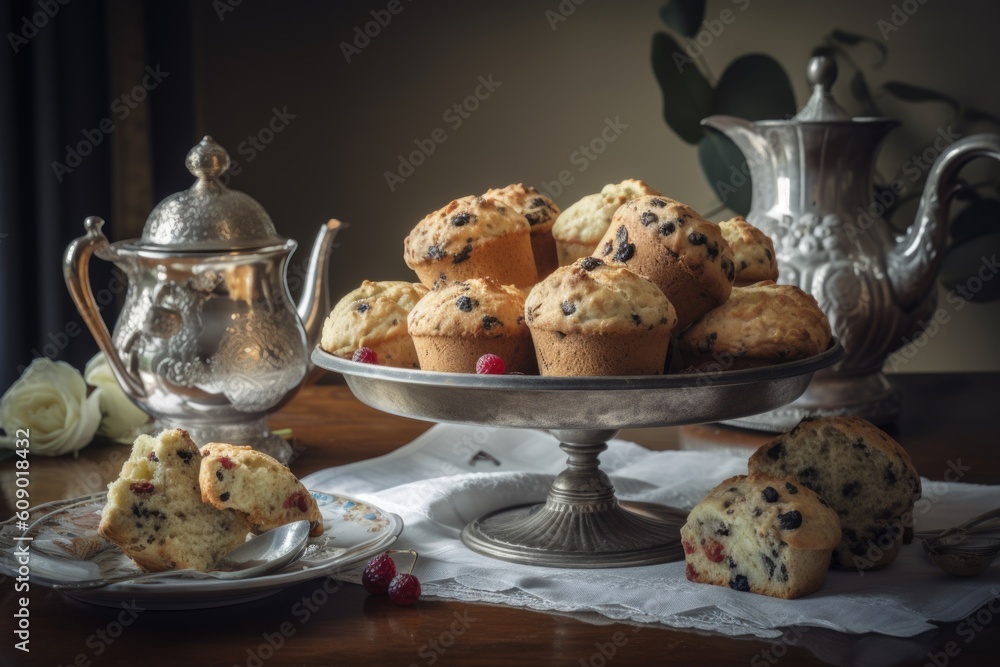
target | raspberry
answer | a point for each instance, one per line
(152, 457)
(691, 573)
(491, 364)
(226, 462)
(378, 573)
(404, 589)
(297, 499)
(380, 577)
(141, 487)
(365, 355)
(713, 551)
(688, 547)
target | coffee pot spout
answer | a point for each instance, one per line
(914, 260)
(314, 304)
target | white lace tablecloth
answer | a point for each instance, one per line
(433, 485)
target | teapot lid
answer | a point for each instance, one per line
(208, 216)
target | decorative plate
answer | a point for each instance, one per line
(65, 547)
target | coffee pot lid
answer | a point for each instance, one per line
(208, 216)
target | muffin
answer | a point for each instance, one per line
(456, 324)
(753, 252)
(472, 237)
(679, 251)
(251, 482)
(761, 534)
(541, 213)
(374, 316)
(865, 476)
(579, 228)
(154, 510)
(759, 325)
(590, 318)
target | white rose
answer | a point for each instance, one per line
(50, 401)
(121, 417)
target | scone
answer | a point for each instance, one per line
(155, 513)
(865, 476)
(589, 318)
(579, 228)
(679, 251)
(753, 251)
(374, 316)
(455, 325)
(541, 213)
(472, 237)
(759, 325)
(251, 482)
(761, 534)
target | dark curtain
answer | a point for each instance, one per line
(60, 78)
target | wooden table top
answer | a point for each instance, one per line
(948, 420)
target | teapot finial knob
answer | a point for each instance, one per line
(821, 107)
(208, 160)
(822, 70)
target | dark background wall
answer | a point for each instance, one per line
(240, 71)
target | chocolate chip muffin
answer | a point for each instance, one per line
(579, 228)
(761, 534)
(541, 213)
(456, 324)
(679, 251)
(472, 237)
(753, 251)
(759, 325)
(865, 476)
(590, 318)
(374, 316)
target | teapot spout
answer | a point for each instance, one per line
(314, 304)
(913, 262)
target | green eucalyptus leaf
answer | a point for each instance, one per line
(726, 171)
(979, 217)
(970, 268)
(854, 39)
(686, 93)
(683, 16)
(910, 93)
(754, 87)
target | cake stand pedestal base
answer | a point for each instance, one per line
(581, 524)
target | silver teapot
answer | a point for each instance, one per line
(208, 338)
(812, 189)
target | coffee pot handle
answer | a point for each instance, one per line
(76, 271)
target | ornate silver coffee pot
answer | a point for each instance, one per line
(812, 194)
(208, 338)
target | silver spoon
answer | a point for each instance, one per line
(958, 552)
(963, 555)
(261, 554)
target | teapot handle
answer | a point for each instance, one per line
(914, 260)
(76, 271)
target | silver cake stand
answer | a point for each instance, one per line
(581, 524)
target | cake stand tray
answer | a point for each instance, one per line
(582, 523)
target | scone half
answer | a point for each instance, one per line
(240, 478)
(761, 534)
